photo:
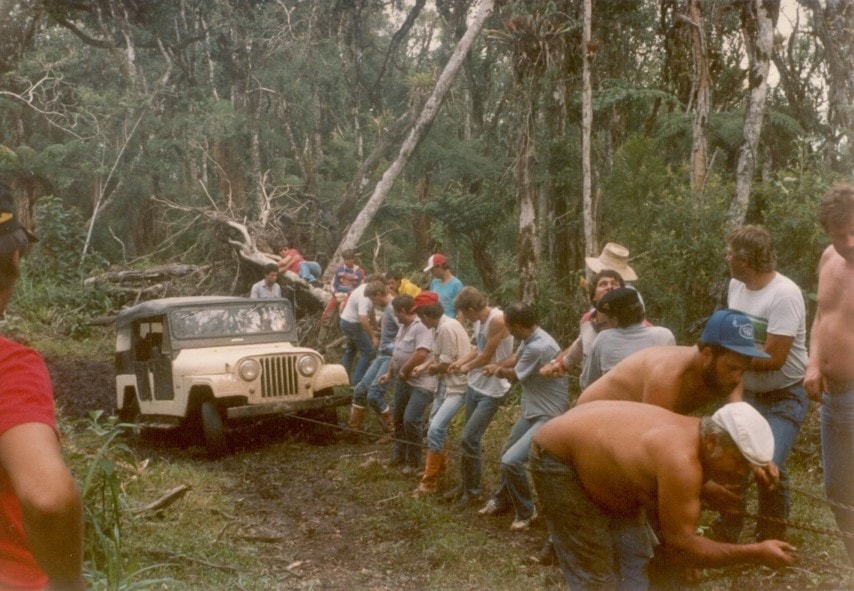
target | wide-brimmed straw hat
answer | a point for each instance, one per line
(615, 257)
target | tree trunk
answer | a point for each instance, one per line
(834, 23)
(700, 97)
(587, 50)
(526, 195)
(759, 19)
(419, 130)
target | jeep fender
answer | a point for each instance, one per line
(329, 376)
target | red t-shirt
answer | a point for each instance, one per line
(26, 396)
(294, 266)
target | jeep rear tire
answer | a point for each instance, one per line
(213, 429)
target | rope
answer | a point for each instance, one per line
(793, 524)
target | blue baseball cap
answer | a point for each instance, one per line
(731, 330)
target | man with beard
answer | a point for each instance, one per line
(684, 378)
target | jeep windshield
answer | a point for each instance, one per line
(231, 321)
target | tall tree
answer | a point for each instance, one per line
(759, 19)
(419, 129)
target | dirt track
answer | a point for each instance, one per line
(291, 502)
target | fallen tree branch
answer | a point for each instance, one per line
(165, 500)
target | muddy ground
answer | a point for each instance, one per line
(294, 509)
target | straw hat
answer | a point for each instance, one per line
(615, 257)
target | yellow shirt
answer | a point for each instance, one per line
(408, 288)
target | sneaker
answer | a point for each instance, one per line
(409, 470)
(520, 524)
(492, 508)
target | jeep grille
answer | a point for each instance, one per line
(279, 376)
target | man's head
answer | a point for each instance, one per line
(437, 265)
(623, 305)
(735, 438)
(377, 292)
(349, 257)
(402, 306)
(520, 319)
(271, 273)
(393, 279)
(426, 305)
(603, 282)
(15, 240)
(750, 248)
(836, 216)
(470, 302)
(726, 347)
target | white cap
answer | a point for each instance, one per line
(749, 430)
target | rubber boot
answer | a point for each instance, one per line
(357, 417)
(388, 427)
(430, 481)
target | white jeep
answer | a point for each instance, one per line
(212, 360)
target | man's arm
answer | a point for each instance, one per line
(418, 357)
(497, 331)
(50, 502)
(777, 346)
(679, 486)
(813, 379)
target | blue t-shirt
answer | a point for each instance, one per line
(447, 292)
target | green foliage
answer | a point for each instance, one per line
(107, 460)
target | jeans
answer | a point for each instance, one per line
(837, 455)
(409, 406)
(593, 549)
(358, 343)
(785, 410)
(369, 391)
(445, 409)
(513, 486)
(480, 409)
(309, 271)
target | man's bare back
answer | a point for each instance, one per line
(669, 377)
(629, 455)
(619, 448)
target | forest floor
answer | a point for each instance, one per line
(291, 510)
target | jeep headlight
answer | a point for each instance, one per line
(308, 365)
(249, 370)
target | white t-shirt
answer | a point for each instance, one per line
(358, 304)
(778, 308)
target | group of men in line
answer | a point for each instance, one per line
(613, 461)
(620, 477)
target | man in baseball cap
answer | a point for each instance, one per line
(444, 284)
(733, 331)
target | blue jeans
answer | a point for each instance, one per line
(513, 486)
(369, 391)
(480, 409)
(785, 410)
(445, 409)
(593, 549)
(409, 406)
(837, 456)
(358, 344)
(309, 271)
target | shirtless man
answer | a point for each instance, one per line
(683, 378)
(830, 371)
(602, 468)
